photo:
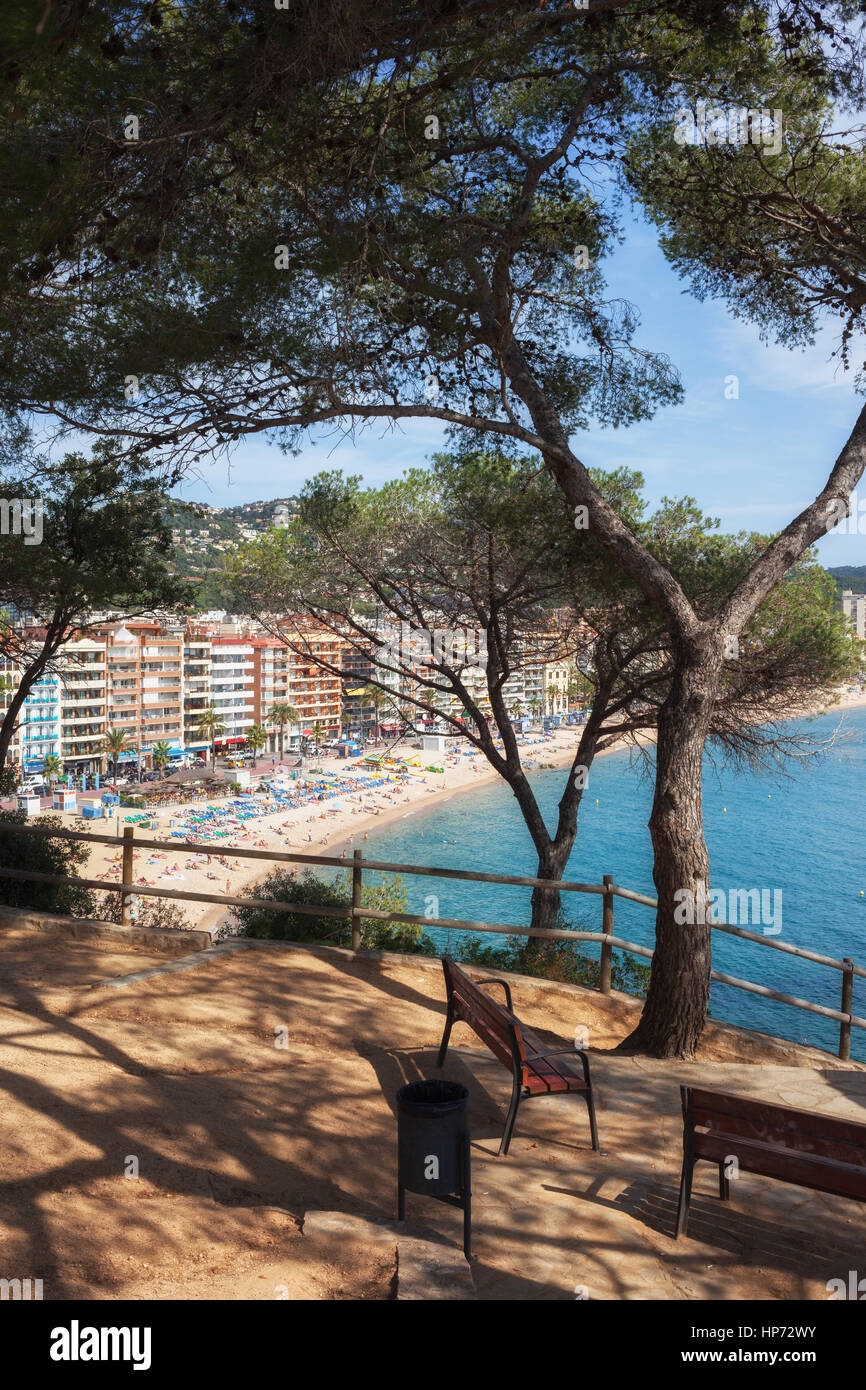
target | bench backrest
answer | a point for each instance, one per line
(805, 1131)
(496, 1026)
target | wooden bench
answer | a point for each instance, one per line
(534, 1072)
(798, 1146)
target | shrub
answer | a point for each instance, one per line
(559, 960)
(161, 914)
(44, 855)
(388, 895)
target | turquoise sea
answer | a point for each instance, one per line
(803, 836)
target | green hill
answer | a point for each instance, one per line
(203, 536)
(848, 577)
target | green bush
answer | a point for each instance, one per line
(563, 961)
(388, 895)
(161, 914)
(44, 855)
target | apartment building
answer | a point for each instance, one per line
(272, 680)
(197, 693)
(82, 668)
(145, 686)
(854, 607)
(38, 734)
(232, 691)
(317, 693)
(360, 715)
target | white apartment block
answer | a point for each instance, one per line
(854, 607)
(82, 667)
(197, 693)
(232, 687)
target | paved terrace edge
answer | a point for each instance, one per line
(191, 948)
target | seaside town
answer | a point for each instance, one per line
(146, 723)
(432, 674)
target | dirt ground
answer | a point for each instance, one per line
(168, 1127)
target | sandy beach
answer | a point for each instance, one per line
(322, 827)
(317, 827)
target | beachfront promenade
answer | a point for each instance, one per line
(254, 1087)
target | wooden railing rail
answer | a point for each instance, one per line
(357, 914)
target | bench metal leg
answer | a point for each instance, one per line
(685, 1194)
(593, 1127)
(724, 1184)
(512, 1116)
(443, 1046)
(467, 1199)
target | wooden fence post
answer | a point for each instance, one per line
(607, 928)
(126, 876)
(356, 900)
(846, 1007)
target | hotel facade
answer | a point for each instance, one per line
(153, 680)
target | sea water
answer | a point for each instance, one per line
(802, 836)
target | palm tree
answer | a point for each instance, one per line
(377, 697)
(256, 737)
(161, 753)
(579, 689)
(209, 725)
(51, 766)
(114, 744)
(317, 733)
(282, 714)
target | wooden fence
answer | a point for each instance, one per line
(607, 890)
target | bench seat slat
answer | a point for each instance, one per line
(788, 1165)
(764, 1120)
(552, 1074)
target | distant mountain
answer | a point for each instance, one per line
(848, 577)
(202, 536)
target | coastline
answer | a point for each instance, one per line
(345, 827)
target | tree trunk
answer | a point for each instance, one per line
(10, 719)
(675, 1011)
(551, 864)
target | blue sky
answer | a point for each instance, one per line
(752, 461)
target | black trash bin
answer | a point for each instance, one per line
(433, 1146)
